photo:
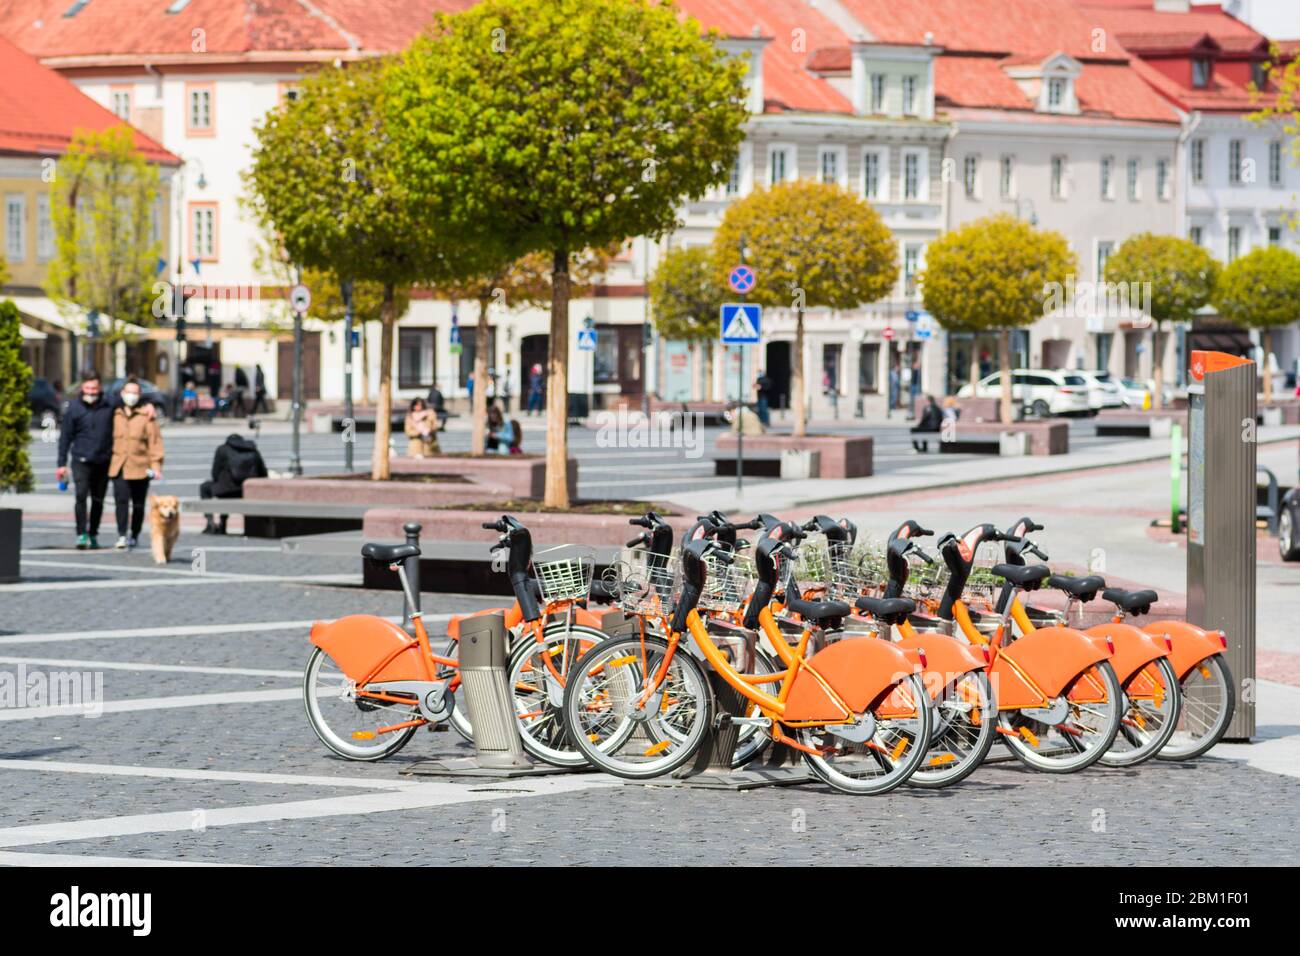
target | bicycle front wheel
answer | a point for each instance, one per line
(894, 752)
(1089, 708)
(536, 674)
(637, 742)
(965, 723)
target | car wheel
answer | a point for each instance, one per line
(1287, 545)
(1041, 408)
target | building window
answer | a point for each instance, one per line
(830, 164)
(1259, 76)
(1275, 163)
(1107, 177)
(15, 227)
(1198, 160)
(1058, 177)
(1007, 177)
(198, 109)
(1274, 235)
(733, 180)
(832, 358)
(874, 175)
(1200, 73)
(869, 368)
(415, 357)
(1162, 179)
(911, 267)
(971, 176)
(203, 232)
(121, 104)
(779, 167)
(915, 186)
(44, 229)
(1104, 249)
(1057, 87)
(877, 92)
(1234, 243)
(1133, 169)
(1195, 233)
(909, 95)
(1235, 151)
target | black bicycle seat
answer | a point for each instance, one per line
(389, 553)
(1028, 576)
(887, 610)
(818, 611)
(1085, 588)
(1135, 602)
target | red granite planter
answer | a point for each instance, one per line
(393, 494)
(524, 475)
(841, 456)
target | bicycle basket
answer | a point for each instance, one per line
(854, 571)
(563, 573)
(643, 582)
(727, 585)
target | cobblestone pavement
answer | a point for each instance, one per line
(202, 753)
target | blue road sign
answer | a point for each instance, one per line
(741, 279)
(586, 340)
(741, 323)
(913, 315)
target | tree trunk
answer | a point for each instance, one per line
(974, 362)
(384, 406)
(557, 387)
(709, 387)
(1268, 375)
(1157, 367)
(1004, 366)
(365, 364)
(478, 443)
(796, 380)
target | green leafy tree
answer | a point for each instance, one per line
(1180, 277)
(686, 299)
(101, 208)
(15, 415)
(562, 125)
(993, 275)
(811, 245)
(325, 182)
(1279, 104)
(514, 285)
(1261, 290)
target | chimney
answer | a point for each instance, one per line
(858, 79)
(750, 49)
(1173, 6)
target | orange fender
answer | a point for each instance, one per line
(1050, 658)
(1191, 644)
(859, 672)
(1134, 648)
(368, 648)
(946, 659)
(590, 618)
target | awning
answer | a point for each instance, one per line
(29, 334)
(44, 309)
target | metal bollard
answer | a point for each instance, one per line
(412, 565)
(483, 654)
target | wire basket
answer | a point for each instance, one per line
(729, 582)
(855, 571)
(563, 573)
(643, 582)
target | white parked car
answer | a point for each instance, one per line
(1104, 390)
(1136, 394)
(1040, 392)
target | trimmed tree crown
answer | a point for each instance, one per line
(685, 296)
(1180, 274)
(1261, 289)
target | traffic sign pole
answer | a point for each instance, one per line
(348, 436)
(299, 302)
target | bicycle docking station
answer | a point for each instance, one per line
(498, 751)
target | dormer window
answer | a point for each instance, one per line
(1201, 73)
(1057, 87)
(1049, 84)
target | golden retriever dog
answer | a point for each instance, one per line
(164, 526)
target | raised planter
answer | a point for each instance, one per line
(1144, 423)
(396, 494)
(523, 475)
(839, 456)
(547, 528)
(1284, 411)
(1044, 438)
(11, 543)
(979, 409)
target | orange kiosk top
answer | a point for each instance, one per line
(1207, 363)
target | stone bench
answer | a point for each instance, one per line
(1045, 438)
(282, 519)
(523, 475)
(709, 413)
(1139, 423)
(839, 456)
(1280, 412)
(756, 466)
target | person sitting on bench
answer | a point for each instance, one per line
(233, 463)
(931, 422)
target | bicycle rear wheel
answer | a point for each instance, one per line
(1150, 715)
(1208, 698)
(349, 725)
(965, 723)
(616, 736)
(536, 674)
(1080, 735)
(894, 752)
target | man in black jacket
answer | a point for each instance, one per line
(233, 463)
(86, 437)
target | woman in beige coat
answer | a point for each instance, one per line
(137, 458)
(422, 430)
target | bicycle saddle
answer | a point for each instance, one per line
(1085, 588)
(819, 611)
(887, 610)
(1135, 602)
(1028, 576)
(389, 553)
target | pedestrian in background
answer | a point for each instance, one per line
(241, 389)
(422, 429)
(86, 439)
(763, 388)
(233, 463)
(536, 389)
(259, 390)
(137, 459)
(931, 422)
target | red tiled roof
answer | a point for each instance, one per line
(41, 110)
(1137, 18)
(1222, 94)
(141, 27)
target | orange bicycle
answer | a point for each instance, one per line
(856, 710)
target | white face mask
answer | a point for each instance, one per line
(130, 399)
(90, 399)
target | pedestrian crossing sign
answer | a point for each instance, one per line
(741, 323)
